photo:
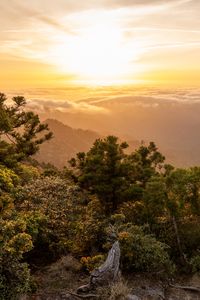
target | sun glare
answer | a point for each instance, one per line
(96, 53)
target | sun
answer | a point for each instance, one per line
(97, 53)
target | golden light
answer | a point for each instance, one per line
(97, 53)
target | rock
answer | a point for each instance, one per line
(155, 294)
(149, 293)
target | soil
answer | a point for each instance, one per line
(56, 281)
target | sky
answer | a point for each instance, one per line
(99, 43)
(124, 67)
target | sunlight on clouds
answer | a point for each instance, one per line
(100, 42)
(64, 106)
(97, 52)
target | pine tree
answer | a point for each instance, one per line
(21, 132)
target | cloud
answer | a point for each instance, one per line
(48, 32)
(45, 106)
(119, 101)
(18, 9)
(146, 2)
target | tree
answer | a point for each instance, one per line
(113, 175)
(104, 171)
(174, 196)
(14, 241)
(147, 161)
(21, 132)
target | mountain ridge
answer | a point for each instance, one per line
(67, 141)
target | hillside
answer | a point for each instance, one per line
(59, 227)
(66, 142)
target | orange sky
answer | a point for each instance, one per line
(105, 42)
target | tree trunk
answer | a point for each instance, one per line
(182, 255)
(107, 272)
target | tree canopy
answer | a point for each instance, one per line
(113, 175)
(21, 131)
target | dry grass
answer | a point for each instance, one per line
(66, 263)
(63, 274)
(117, 291)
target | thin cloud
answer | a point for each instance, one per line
(161, 29)
(174, 45)
(31, 12)
(43, 106)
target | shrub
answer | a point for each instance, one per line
(195, 263)
(53, 207)
(14, 279)
(142, 252)
(14, 275)
(119, 291)
(90, 263)
(27, 173)
(91, 233)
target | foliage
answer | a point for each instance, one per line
(14, 242)
(53, 209)
(21, 132)
(14, 280)
(90, 263)
(8, 179)
(195, 263)
(114, 176)
(27, 173)
(142, 252)
(147, 161)
(91, 229)
(151, 208)
(103, 171)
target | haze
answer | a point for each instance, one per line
(131, 68)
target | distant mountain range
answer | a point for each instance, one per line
(66, 142)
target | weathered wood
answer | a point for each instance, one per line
(86, 296)
(107, 272)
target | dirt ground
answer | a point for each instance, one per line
(58, 280)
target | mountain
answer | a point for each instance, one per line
(66, 142)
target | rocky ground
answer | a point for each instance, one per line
(60, 280)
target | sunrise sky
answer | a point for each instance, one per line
(105, 42)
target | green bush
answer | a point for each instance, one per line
(14, 242)
(53, 208)
(142, 252)
(195, 263)
(90, 263)
(14, 279)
